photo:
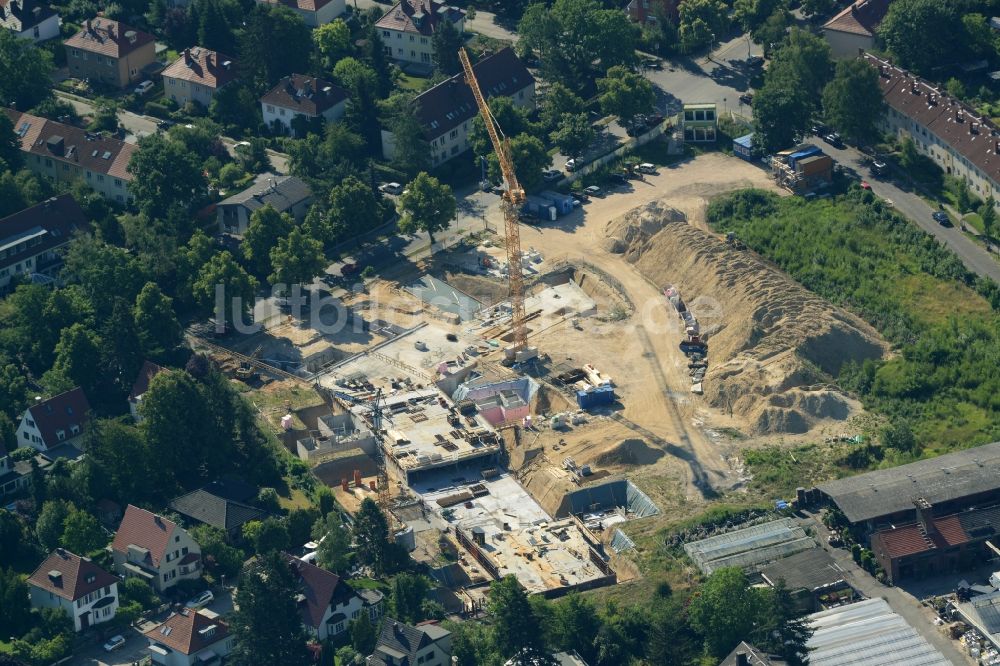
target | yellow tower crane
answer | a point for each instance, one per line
(513, 197)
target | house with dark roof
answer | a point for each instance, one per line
(408, 27)
(110, 52)
(853, 30)
(650, 11)
(304, 100)
(141, 385)
(399, 644)
(30, 19)
(745, 654)
(65, 153)
(327, 603)
(159, 551)
(447, 110)
(32, 240)
(197, 75)
(55, 421)
(190, 638)
(223, 504)
(314, 13)
(812, 577)
(286, 194)
(15, 475)
(84, 591)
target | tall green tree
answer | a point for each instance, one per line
(410, 148)
(78, 361)
(165, 176)
(332, 41)
(447, 40)
(11, 158)
(296, 259)
(988, 212)
(223, 287)
(334, 552)
(530, 160)
(518, 631)
(558, 101)
(625, 93)
(15, 609)
(267, 226)
(409, 591)
(267, 625)
(510, 118)
(24, 72)
(122, 452)
(363, 636)
(121, 355)
(175, 425)
(352, 209)
(274, 42)
(575, 624)
(702, 22)
(427, 205)
(51, 523)
(922, 34)
(852, 101)
(155, 321)
(574, 134)
(371, 532)
(82, 533)
(782, 629)
(726, 610)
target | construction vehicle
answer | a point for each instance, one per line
(246, 371)
(734, 242)
(512, 199)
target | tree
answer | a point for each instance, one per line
(530, 159)
(299, 523)
(268, 536)
(751, 14)
(558, 101)
(24, 72)
(352, 208)
(818, 7)
(334, 552)
(899, 435)
(11, 158)
(852, 101)
(15, 609)
(267, 625)
(121, 356)
(783, 631)
(363, 636)
(922, 33)
(988, 212)
(510, 118)
(625, 93)
(447, 40)
(575, 624)
(574, 134)
(805, 59)
(138, 590)
(50, 524)
(773, 30)
(427, 205)
(702, 22)
(410, 149)
(518, 631)
(155, 321)
(267, 226)
(104, 273)
(223, 286)
(78, 360)
(175, 425)
(408, 594)
(81, 532)
(220, 558)
(234, 106)
(963, 196)
(725, 610)
(105, 115)
(297, 259)
(121, 451)
(332, 41)
(371, 531)
(274, 43)
(164, 176)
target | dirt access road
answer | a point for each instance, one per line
(643, 356)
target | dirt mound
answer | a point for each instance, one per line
(629, 452)
(771, 341)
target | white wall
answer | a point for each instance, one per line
(47, 29)
(273, 113)
(846, 44)
(41, 598)
(411, 47)
(182, 91)
(28, 434)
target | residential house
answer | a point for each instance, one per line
(190, 638)
(155, 549)
(699, 122)
(570, 658)
(327, 603)
(447, 110)
(650, 11)
(314, 13)
(305, 98)
(286, 194)
(745, 654)
(56, 421)
(32, 240)
(29, 19)
(84, 591)
(197, 75)
(15, 475)
(109, 52)
(853, 29)
(407, 29)
(64, 153)
(427, 644)
(223, 504)
(955, 136)
(140, 386)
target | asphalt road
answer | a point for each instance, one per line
(975, 257)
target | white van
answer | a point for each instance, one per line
(646, 167)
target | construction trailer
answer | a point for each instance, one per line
(562, 202)
(540, 207)
(802, 169)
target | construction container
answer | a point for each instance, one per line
(540, 207)
(815, 164)
(602, 395)
(802, 153)
(562, 202)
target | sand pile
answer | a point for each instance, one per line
(773, 345)
(629, 452)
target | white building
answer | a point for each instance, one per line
(959, 140)
(56, 421)
(327, 603)
(197, 75)
(155, 549)
(190, 638)
(85, 592)
(314, 13)
(399, 643)
(32, 240)
(447, 110)
(304, 97)
(29, 19)
(408, 27)
(853, 30)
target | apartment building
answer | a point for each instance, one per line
(109, 52)
(197, 75)
(32, 240)
(314, 13)
(29, 19)
(408, 27)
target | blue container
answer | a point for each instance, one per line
(562, 202)
(604, 395)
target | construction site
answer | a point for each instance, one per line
(538, 411)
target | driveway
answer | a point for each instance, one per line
(134, 649)
(485, 23)
(975, 257)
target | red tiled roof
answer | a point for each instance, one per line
(976, 138)
(202, 66)
(912, 539)
(60, 412)
(305, 94)
(189, 632)
(859, 18)
(303, 5)
(146, 374)
(145, 530)
(109, 38)
(60, 217)
(418, 16)
(79, 576)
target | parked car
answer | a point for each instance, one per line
(865, 185)
(116, 642)
(618, 178)
(165, 124)
(646, 167)
(201, 600)
(942, 218)
(143, 88)
(390, 188)
(593, 191)
(818, 129)
(879, 168)
(746, 98)
(571, 165)
(550, 175)
(347, 270)
(834, 140)
(755, 61)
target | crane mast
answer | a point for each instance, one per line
(512, 199)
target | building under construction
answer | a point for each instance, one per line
(802, 169)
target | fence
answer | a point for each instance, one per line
(630, 144)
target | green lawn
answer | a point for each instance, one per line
(412, 83)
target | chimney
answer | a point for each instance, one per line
(37, 11)
(925, 516)
(111, 30)
(187, 57)
(158, 520)
(973, 128)
(55, 577)
(932, 99)
(996, 147)
(86, 26)
(131, 36)
(61, 552)
(742, 659)
(959, 116)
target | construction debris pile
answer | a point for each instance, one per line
(692, 344)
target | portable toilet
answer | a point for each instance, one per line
(562, 202)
